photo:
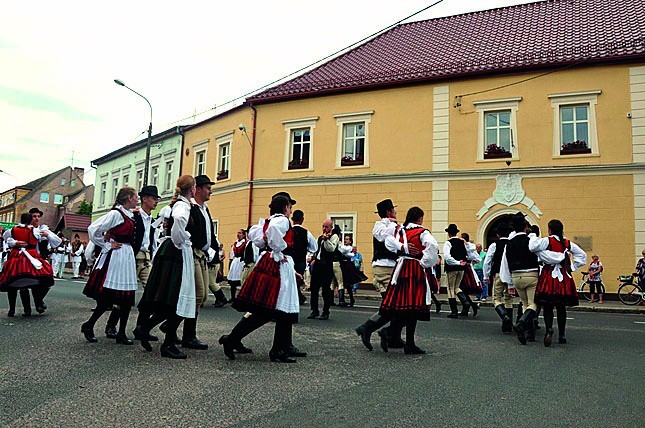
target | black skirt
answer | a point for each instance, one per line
(164, 283)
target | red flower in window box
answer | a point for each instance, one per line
(493, 151)
(575, 148)
(222, 175)
(349, 161)
(299, 164)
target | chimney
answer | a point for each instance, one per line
(79, 172)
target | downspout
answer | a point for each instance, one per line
(251, 175)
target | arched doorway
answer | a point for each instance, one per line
(486, 232)
(490, 234)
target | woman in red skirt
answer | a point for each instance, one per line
(408, 296)
(113, 280)
(270, 291)
(556, 288)
(24, 268)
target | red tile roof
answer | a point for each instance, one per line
(76, 222)
(523, 37)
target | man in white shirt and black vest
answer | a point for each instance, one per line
(503, 301)
(520, 267)
(304, 242)
(455, 258)
(322, 272)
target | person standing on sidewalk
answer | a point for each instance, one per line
(595, 279)
(479, 271)
(77, 250)
(502, 300)
(556, 287)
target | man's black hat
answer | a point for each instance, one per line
(200, 180)
(452, 229)
(36, 210)
(286, 195)
(384, 205)
(149, 191)
(519, 220)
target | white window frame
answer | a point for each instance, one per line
(352, 215)
(60, 199)
(201, 146)
(139, 179)
(294, 124)
(44, 200)
(72, 182)
(63, 181)
(115, 188)
(221, 141)
(495, 105)
(349, 118)
(152, 175)
(216, 227)
(575, 98)
(168, 176)
(103, 193)
(126, 179)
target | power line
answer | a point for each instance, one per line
(310, 65)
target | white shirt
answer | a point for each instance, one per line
(180, 215)
(447, 257)
(329, 245)
(382, 230)
(488, 260)
(430, 246)
(540, 245)
(147, 222)
(504, 270)
(207, 217)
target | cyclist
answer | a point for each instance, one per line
(595, 279)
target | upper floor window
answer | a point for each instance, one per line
(44, 197)
(299, 153)
(154, 175)
(353, 138)
(200, 162)
(139, 179)
(103, 193)
(115, 188)
(58, 198)
(497, 136)
(223, 160)
(73, 182)
(63, 181)
(574, 123)
(168, 180)
(126, 179)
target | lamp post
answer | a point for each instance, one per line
(149, 142)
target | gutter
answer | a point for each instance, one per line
(251, 175)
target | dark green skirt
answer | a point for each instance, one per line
(164, 283)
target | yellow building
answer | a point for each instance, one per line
(471, 117)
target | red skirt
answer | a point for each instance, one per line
(552, 291)
(351, 274)
(94, 288)
(18, 272)
(432, 281)
(407, 299)
(469, 284)
(259, 293)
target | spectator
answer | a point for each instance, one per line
(357, 258)
(479, 270)
(595, 279)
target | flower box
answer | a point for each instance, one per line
(299, 164)
(579, 151)
(348, 161)
(222, 175)
(498, 155)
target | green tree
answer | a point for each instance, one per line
(85, 208)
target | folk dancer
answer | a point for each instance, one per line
(470, 283)
(47, 240)
(502, 300)
(214, 278)
(383, 261)
(24, 268)
(270, 291)
(170, 293)
(237, 264)
(350, 273)
(304, 243)
(59, 255)
(519, 267)
(556, 287)
(322, 273)
(113, 280)
(408, 296)
(455, 258)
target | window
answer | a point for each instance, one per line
(63, 181)
(44, 197)
(140, 179)
(58, 198)
(154, 175)
(300, 148)
(224, 160)
(497, 136)
(346, 223)
(103, 193)
(353, 136)
(115, 188)
(574, 123)
(299, 153)
(200, 162)
(73, 182)
(216, 227)
(126, 179)
(168, 181)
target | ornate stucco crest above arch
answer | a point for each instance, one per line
(509, 192)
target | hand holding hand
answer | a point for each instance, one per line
(20, 244)
(463, 263)
(413, 250)
(116, 245)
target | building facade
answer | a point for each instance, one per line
(470, 129)
(125, 167)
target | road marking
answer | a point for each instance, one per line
(639, 322)
(541, 316)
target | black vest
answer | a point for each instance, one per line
(249, 256)
(497, 257)
(458, 252)
(325, 255)
(197, 229)
(518, 255)
(139, 232)
(381, 252)
(300, 244)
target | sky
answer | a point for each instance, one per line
(58, 62)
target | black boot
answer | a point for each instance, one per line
(110, 326)
(473, 305)
(341, 298)
(507, 322)
(233, 292)
(352, 302)
(437, 304)
(220, 299)
(189, 338)
(465, 306)
(453, 308)
(410, 346)
(366, 329)
(12, 296)
(26, 303)
(509, 311)
(522, 326)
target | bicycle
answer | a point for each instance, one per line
(630, 293)
(584, 289)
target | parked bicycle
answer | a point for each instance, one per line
(630, 292)
(585, 291)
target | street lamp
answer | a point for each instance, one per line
(149, 142)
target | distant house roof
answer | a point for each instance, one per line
(35, 185)
(524, 37)
(74, 222)
(139, 144)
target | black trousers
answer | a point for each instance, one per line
(247, 325)
(321, 278)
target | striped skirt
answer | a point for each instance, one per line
(407, 298)
(469, 283)
(18, 272)
(95, 289)
(161, 293)
(260, 291)
(553, 291)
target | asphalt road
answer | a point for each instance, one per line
(473, 376)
